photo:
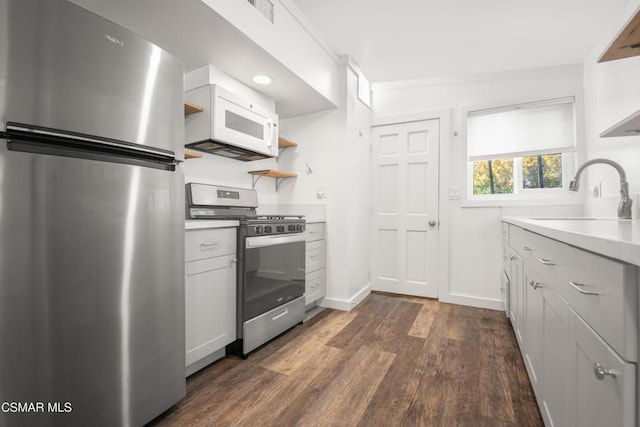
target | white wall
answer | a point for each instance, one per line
(475, 254)
(612, 93)
(357, 181)
(335, 145)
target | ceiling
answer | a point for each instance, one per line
(199, 36)
(412, 39)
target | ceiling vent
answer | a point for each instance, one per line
(265, 7)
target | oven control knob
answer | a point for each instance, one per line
(299, 227)
(280, 228)
(258, 229)
(268, 229)
(291, 227)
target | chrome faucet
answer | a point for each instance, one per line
(624, 207)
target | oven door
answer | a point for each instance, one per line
(274, 272)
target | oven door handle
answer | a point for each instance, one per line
(262, 241)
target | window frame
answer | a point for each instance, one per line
(521, 196)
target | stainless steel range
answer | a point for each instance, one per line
(271, 262)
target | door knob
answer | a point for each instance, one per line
(433, 223)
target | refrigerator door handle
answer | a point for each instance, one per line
(54, 138)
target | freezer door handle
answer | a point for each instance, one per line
(23, 137)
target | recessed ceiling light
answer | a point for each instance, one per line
(262, 79)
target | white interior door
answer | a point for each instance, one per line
(405, 208)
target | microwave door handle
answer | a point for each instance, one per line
(272, 133)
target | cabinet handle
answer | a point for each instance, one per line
(537, 285)
(233, 261)
(511, 257)
(577, 287)
(314, 256)
(208, 245)
(527, 248)
(600, 372)
(546, 261)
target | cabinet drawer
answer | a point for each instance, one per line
(314, 231)
(271, 324)
(210, 242)
(604, 293)
(542, 254)
(601, 400)
(315, 286)
(518, 239)
(505, 234)
(314, 256)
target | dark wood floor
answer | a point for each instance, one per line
(392, 361)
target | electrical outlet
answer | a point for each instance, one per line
(595, 192)
(321, 192)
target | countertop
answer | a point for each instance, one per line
(618, 239)
(195, 224)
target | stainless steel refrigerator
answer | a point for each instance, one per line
(91, 220)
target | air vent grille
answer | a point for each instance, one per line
(265, 7)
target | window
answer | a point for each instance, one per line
(520, 151)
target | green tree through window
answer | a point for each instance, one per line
(543, 171)
(496, 176)
(493, 177)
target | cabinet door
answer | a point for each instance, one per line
(556, 400)
(603, 384)
(315, 286)
(516, 294)
(210, 291)
(533, 329)
(315, 256)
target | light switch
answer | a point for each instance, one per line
(454, 194)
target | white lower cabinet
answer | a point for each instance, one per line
(210, 296)
(579, 326)
(556, 401)
(603, 385)
(315, 264)
(516, 294)
(534, 328)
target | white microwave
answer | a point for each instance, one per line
(230, 126)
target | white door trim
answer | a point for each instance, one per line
(444, 116)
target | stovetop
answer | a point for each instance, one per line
(226, 203)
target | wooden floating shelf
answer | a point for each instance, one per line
(285, 143)
(627, 44)
(192, 155)
(272, 173)
(190, 108)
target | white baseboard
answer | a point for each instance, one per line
(347, 305)
(470, 301)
